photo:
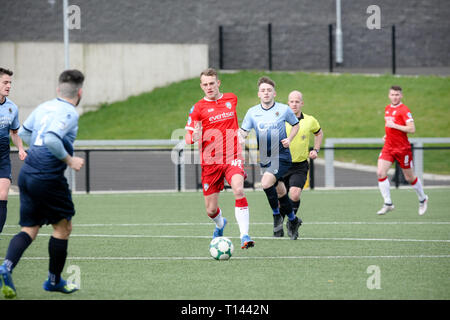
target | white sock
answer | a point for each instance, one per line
(243, 219)
(385, 190)
(218, 219)
(417, 185)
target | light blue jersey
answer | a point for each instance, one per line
(54, 119)
(9, 120)
(270, 128)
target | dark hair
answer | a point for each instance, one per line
(5, 71)
(210, 72)
(75, 77)
(396, 88)
(266, 80)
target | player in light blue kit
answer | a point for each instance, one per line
(9, 126)
(268, 119)
(45, 198)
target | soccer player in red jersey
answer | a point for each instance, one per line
(213, 123)
(399, 122)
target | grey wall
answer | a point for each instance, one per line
(300, 39)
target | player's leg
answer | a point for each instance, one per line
(21, 241)
(294, 195)
(17, 246)
(417, 186)
(286, 209)
(384, 185)
(4, 190)
(268, 182)
(215, 214)
(241, 210)
(57, 250)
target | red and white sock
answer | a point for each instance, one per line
(242, 215)
(384, 186)
(218, 218)
(417, 185)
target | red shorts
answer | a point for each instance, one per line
(403, 156)
(213, 175)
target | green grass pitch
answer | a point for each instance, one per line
(155, 246)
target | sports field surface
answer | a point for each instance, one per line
(155, 246)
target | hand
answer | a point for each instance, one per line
(75, 163)
(313, 154)
(286, 142)
(390, 124)
(22, 154)
(197, 133)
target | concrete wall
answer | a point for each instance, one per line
(300, 29)
(113, 71)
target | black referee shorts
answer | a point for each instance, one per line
(296, 175)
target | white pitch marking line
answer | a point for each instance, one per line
(263, 238)
(250, 258)
(256, 223)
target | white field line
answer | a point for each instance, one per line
(254, 223)
(248, 258)
(141, 236)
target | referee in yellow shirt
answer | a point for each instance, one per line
(295, 178)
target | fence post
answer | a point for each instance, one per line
(311, 174)
(329, 163)
(88, 171)
(221, 47)
(269, 31)
(417, 151)
(394, 62)
(330, 47)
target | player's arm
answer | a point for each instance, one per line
(287, 141)
(18, 143)
(55, 145)
(318, 137)
(408, 128)
(193, 135)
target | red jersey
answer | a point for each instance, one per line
(396, 139)
(219, 142)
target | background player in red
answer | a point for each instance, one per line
(213, 122)
(399, 122)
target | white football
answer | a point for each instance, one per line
(221, 248)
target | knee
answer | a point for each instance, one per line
(294, 194)
(211, 210)
(63, 231)
(381, 174)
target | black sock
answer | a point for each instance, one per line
(285, 206)
(3, 213)
(272, 196)
(17, 246)
(57, 250)
(295, 205)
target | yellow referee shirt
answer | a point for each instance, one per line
(300, 145)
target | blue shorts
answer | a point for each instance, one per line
(5, 168)
(44, 201)
(278, 168)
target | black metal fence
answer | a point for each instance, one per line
(147, 169)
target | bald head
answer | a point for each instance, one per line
(295, 102)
